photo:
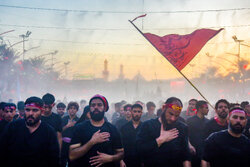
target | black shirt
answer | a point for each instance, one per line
(212, 126)
(196, 128)
(68, 132)
(21, 148)
(128, 135)
(169, 154)
(83, 133)
(53, 120)
(222, 149)
(3, 124)
(120, 122)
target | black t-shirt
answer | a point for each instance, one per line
(53, 120)
(21, 148)
(128, 135)
(120, 123)
(169, 154)
(196, 128)
(83, 133)
(222, 149)
(68, 132)
(3, 124)
(247, 129)
(212, 126)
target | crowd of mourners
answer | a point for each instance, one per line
(43, 132)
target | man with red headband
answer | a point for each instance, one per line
(96, 142)
(163, 142)
(9, 113)
(191, 110)
(29, 142)
(219, 122)
(229, 148)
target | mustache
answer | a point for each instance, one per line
(30, 117)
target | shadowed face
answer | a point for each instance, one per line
(171, 113)
(136, 114)
(96, 109)
(237, 122)
(222, 110)
(32, 115)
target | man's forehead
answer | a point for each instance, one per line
(239, 114)
(222, 104)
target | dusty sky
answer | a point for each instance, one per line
(86, 32)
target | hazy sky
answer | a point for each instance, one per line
(86, 32)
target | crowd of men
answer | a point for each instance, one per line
(33, 134)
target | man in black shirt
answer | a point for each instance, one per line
(127, 117)
(67, 123)
(229, 147)
(163, 142)
(9, 113)
(51, 118)
(196, 126)
(96, 142)
(219, 122)
(60, 109)
(150, 114)
(29, 142)
(128, 135)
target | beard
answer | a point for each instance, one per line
(237, 128)
(97, 115)
(166, 125)
(29, 122)
(223, 114)
(136, 118)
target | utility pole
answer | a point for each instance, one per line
(23, 36)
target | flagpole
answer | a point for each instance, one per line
(173, 65)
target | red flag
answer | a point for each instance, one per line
(179, 50)
(139, 17)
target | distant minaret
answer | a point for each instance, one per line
(105, 72)
(121, 75)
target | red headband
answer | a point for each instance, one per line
(33, 105)
(237, 111)
(10, 107)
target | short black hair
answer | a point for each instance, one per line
(221, 101)
(35, 100)
(150, 104)
(48, 99)
(2, 105)
(136, 106)
(71, 104)
(193, 100)
(199, 104)
(127, 106)
(172, 99)
(9, 105)
(244, 104)
(60, 105)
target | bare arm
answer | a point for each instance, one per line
(186, 164)
(205, 163)
(103, 158)
(77, 151)
(59, 138)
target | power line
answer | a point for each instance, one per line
(114, 29)
(122, 12)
